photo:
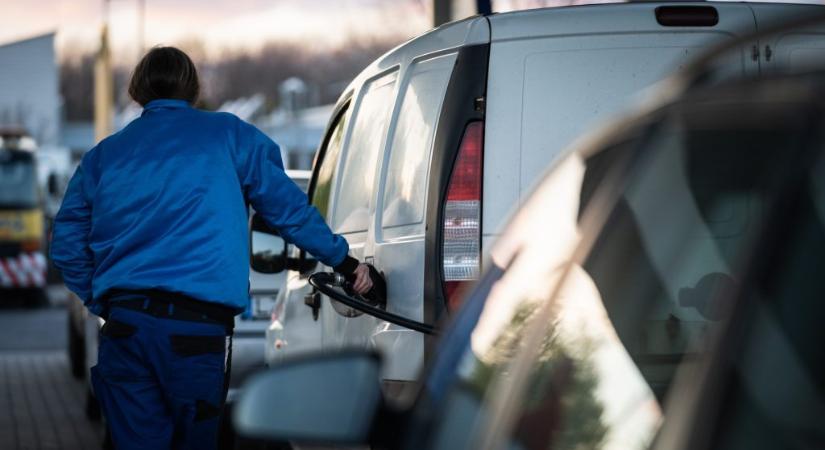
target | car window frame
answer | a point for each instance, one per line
(410, 230)
(338, 114)
(340, 111)
(356, 105)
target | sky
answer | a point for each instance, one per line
(218, 24)
(221, 25)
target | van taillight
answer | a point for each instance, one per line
(462, 215)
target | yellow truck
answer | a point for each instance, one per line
(22, 231)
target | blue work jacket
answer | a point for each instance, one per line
(162, 204)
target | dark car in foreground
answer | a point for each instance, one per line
(661, 288)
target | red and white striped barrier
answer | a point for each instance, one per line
(27, 270)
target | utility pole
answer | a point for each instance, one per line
(449, 10)
(442, 12)
(104, 83)
(104, 86)
(141, 42)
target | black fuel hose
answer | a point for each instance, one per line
(329, 283)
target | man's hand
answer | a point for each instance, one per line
(363, 282)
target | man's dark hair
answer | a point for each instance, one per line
(164, 72)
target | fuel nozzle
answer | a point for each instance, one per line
(339, 279)
(377, 296)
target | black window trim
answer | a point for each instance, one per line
(468, 83)
(338, 113)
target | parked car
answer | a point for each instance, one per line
(267, 297)
(434, 143)
(660, 288)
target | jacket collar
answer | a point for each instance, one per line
(166, 103)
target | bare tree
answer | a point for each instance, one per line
(240, 73)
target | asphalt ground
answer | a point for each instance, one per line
(41, 405)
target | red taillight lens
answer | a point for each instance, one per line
(462, 215)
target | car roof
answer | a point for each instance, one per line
(471, 31)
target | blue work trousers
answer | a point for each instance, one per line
(161, 382)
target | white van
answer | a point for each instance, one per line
(433, 144)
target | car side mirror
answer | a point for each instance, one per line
(333, 399)
(268, 248)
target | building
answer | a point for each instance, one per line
(29, 88)
(298, 133)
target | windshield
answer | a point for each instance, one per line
(18, 180)
(611, 288)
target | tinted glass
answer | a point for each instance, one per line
(589, 362)
(659, 276)
(476, 353)
(329, 163)
(18, 180)
(406, 180)
(358, 170)
(775, 383)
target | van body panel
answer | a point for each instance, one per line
(607, 19)
(794, 49)
(558, 73)
(451, 36)
(422, 69)
(401, 209)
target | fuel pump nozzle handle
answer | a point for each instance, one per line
(376, 296)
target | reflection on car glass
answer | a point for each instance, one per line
(775, 384)
(661, 273)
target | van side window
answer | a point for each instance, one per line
(330, 153)
(406, 177)
(358, 170)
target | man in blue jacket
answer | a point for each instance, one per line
(153, 236)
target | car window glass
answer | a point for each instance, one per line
(490, 331)
(776, 383)
(411, 147)
(18, 180)
(358, 170)
(591, 368)
(329, 163)
(657, 279)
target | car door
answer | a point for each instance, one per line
(351, 206)
(294, 327)
(561, 72)
(400, 234)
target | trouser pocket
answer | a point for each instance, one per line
(197, 388)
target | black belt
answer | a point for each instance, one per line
(171, 305)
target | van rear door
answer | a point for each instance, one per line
(556, 73)
(794, 48)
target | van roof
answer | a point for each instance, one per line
(611, 18)
(471, 31)
(523, 24)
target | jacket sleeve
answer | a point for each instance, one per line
(282, 204)
(70, 250)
